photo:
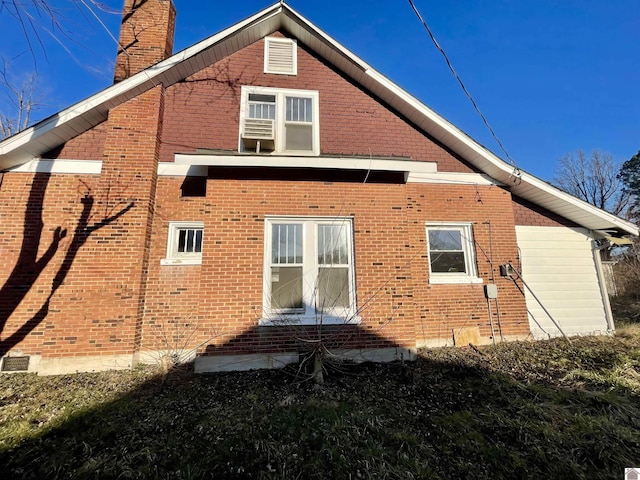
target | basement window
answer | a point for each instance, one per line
(280, 56)
(184, 243)
(451, 253)
(15, 364)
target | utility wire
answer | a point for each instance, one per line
(464, 89)
(106, 29)
(102, 24)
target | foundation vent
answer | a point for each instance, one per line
(15, 364)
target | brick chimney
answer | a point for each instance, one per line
(146, 36)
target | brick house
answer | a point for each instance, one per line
(263, 194)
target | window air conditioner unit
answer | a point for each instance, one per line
(258, 129)
(257, 132)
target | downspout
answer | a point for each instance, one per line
(597, 260)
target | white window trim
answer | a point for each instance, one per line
(471, 277)
(294, 55)
(280, 94)
(271, 317)
(173, 256)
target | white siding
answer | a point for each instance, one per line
(558, 265)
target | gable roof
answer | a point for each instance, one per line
(78, 118)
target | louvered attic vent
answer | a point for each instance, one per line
(280, 56)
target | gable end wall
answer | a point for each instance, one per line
(203, 112)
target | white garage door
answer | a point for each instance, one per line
(558, 266)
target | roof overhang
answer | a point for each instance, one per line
(61, 127)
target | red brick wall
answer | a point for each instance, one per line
(221, 300)
(203, 112)
(83, 293)
(173, 292)
(529, 214)
(35, 210)
(86, 146)
(442, 308)
(228, 296)
(113, 280)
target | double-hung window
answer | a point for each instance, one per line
(309, 275)
(184, 243)
(451, 253)
(279, 121)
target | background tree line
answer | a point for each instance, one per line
(614, 187)
(603, 182)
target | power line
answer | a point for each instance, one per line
(464, 88)
(106, 29)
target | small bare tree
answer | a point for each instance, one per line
(627, 272)
(593, 179)
(18, 104)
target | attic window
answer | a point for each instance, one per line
(279, 121)
(280, 56)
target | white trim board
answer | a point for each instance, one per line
(453, 178)
(418, 172)
(341, 163)
(80, 167)
(94, 167)
(166, 169)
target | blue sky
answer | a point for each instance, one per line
(551, 76)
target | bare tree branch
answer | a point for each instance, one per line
(593, 179)
(19, 102)
(34, 17)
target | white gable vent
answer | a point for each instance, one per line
(280, 56)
